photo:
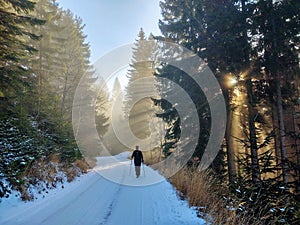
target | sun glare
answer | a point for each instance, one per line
(232, 81)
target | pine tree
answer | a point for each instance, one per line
(255, 41)
(60, 62)
(277, 54)
(102, 107)
(74, 59)
(117, 100)
(46, 63)
(15, 16)
(142, 66)
(212, 29)
(116, 115)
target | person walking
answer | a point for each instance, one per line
(137, 155)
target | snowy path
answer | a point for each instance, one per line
(94, 200)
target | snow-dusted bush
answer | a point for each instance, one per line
(34, 154)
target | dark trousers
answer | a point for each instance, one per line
(137, 171)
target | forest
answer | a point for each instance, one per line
(40, 68)
(251, 47)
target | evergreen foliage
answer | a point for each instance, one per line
(257, 43)
(142, 66)
(14, 75)
(115, 106)
(44, 54)
(42, 58)
(170, 115)
(102, 109)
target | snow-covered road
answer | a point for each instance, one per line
(92, 199)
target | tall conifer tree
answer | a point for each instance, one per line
(142, 66)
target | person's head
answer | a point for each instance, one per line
(137, 147)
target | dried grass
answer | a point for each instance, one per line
(49, 172)
(204, 191)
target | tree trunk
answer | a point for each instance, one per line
(230, 145)
(276, 138)
(281, 130)
(252, 134)
(250, 104)
(276, 75)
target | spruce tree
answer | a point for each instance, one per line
(256, 41)
(115, 113)
(15, 17)
(276, 55)
(212, 29)
(102, 108)
(142, 66)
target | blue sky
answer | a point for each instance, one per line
(112, 23)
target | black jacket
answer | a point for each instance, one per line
(138, 157)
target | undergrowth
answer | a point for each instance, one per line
(241, 206)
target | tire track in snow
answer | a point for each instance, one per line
(92, 205)
(142, 210)
(113, 202)
(78, 197)
(156, 214)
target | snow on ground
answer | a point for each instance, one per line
(92, 199)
